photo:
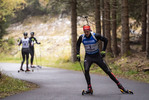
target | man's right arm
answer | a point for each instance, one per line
(78, 44)
(20, 41)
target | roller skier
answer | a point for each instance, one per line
(94, 55)
(25, 51)
(33, 40)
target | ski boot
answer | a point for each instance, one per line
(89, 90)
(21, 70)
(27, 70)
(32, 66)
(123, 90)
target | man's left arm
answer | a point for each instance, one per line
(36, 41)
(102, 38)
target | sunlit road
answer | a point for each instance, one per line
(58, 84)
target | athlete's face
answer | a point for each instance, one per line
(25, 36)
(32, 35)
(87, 33)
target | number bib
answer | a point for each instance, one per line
(90, 44)
(25, 43)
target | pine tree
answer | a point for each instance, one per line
(107, 24)
(114, 27)
(144, 24)
(97, 19)
(147, 44)
(125, 45)
(73, 29)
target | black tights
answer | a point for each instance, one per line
(32, 55)
(25, 54)
(89, 59)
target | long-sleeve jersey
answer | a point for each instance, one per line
(33, 40)
(91, 42)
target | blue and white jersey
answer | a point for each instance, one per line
(91, 44)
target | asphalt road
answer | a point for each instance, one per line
(59, 84)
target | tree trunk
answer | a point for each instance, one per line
(125, 45)
(114, 27)
(97, 20)
(103, 24)
(107, 24)
(73, 29)
(147, 44)
(144, 25)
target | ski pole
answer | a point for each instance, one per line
(35, 57)
(37, 61)
(40, 55)
(81, 67)
(19, 48)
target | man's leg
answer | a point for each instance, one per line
(87, 64)
(27, 56)
(23, 56)
(105, 68)
(32, 56)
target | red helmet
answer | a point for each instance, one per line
(86, 27)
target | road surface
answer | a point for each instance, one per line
(59, 84)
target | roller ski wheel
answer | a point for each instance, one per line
(21, 70)
(87, 92)
(126, 92)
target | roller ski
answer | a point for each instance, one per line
(29, 70)
(126, 91)
(32, 66)
(21, 70)
(123, 90)
(39, 66)
(89, 91)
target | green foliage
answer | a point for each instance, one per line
(7, 46)
(131, 72)
(11, 41)
(8, 8)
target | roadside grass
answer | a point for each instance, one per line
(10, 86)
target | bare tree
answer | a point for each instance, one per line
(144, 24)
(114, 27)
(97, 19)
(147, 44)
(125, 45)
(103, 24)
(73, 29)
(107, 23)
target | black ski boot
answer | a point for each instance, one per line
(88, 91)
(123, 90)
(21, 70)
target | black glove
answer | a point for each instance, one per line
(103, 54)
(78, 57)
